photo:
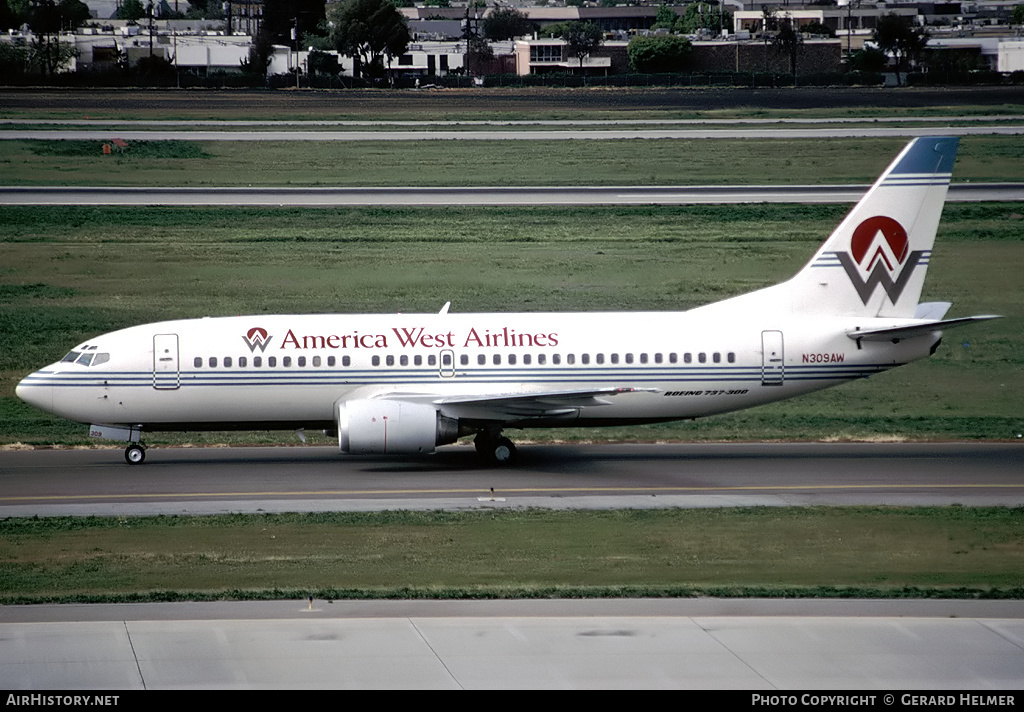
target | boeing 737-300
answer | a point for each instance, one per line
(407, 383)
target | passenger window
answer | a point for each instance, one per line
(600, 358)
(257, 361)
(511, 359)
(464, 360)
(496, 359)
(346, 361)
(332, 361)
(389, 360)
(302, 361)
(657, 358)
(556, 359)
(197, 362)
(702, 357)
(615, 358)
(629, 358)
(316, 362)
(527, 359)
(403, 360)
(643, 358)
(213, 362)
(375, 361)
(243, 362)
(286, 362)
(716, 357)
(417, 360)
(732, 357)
(542, 359)
(673, 357)
(227, 362)
(431, 360)
(271, 361)
(687, 358)
(570, 359)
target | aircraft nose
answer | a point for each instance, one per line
(35, 393)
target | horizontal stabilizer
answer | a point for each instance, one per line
(909, 331)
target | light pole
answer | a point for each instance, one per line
(295, 40)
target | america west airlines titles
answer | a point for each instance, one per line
(408, 337)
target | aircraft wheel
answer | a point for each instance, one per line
(135, 454)
(496, 449)
(503, 452)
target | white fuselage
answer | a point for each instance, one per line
(223, 373)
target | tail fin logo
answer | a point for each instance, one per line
(257, 338)
(880, 255)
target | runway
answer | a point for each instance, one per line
(445, 196)
(279, 479)
(889, 647)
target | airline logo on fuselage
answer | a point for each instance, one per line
(880, 255)
(406, 337)
(257, 338)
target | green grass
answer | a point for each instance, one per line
(764, 551)
(541, 104)
(486, 163)
(71, 273)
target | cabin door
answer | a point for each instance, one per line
(773, 364)
(166, 374)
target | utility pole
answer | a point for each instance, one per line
(295, 39)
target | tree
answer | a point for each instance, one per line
(665, 19)
(788, 42)
(1017, 15)
(281, 16)
(47, 53)
(702, 16)
(658, 54)
(896, 36)
(8, 17)
(132, 10)
(369, 31)
(582, 38)
(506, 23)
(817, 28)
(869, 59)
(261, 51)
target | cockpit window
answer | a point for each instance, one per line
(86, 359)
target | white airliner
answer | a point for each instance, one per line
(406, 383)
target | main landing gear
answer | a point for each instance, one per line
(495, 448)
(135, 454)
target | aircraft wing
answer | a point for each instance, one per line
(508, 406)
(917, 329)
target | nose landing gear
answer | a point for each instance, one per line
(135, 454)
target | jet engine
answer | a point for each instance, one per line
(391, 426)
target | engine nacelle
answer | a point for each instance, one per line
(377, 427)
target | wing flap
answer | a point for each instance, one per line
(536, 404)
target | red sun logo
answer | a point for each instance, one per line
(866, 235)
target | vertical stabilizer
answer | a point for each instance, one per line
(874, 263)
